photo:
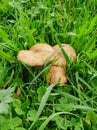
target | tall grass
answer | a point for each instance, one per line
(24, 23)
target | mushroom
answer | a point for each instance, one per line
(37, 55)
(55, 74)
(60, 57)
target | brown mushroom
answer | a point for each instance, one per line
(60, 57)
(55, 74)
(37, 55)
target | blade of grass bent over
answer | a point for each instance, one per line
(42, 104)
(44, 124)
(64, 53)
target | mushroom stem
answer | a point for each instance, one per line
(55, 74)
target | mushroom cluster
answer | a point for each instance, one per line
(39, 53)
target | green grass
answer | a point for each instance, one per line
(73, 106)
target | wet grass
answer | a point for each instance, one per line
(39, 105)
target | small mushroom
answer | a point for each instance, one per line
(37, 55)
(60, 57)
(55, 74)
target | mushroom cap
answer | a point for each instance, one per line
(59, 55)
(55, 74)
(70, 51)
(30, 58)
(37, 55)
(42, 47)
(45, 49)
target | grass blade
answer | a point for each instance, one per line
(42, 104)
(73, 106)
(64, 53)
(6, 56)
(92, 24)
(44, 124)
(4, 37)
(90, 67)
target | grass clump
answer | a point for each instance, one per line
(24, 23)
